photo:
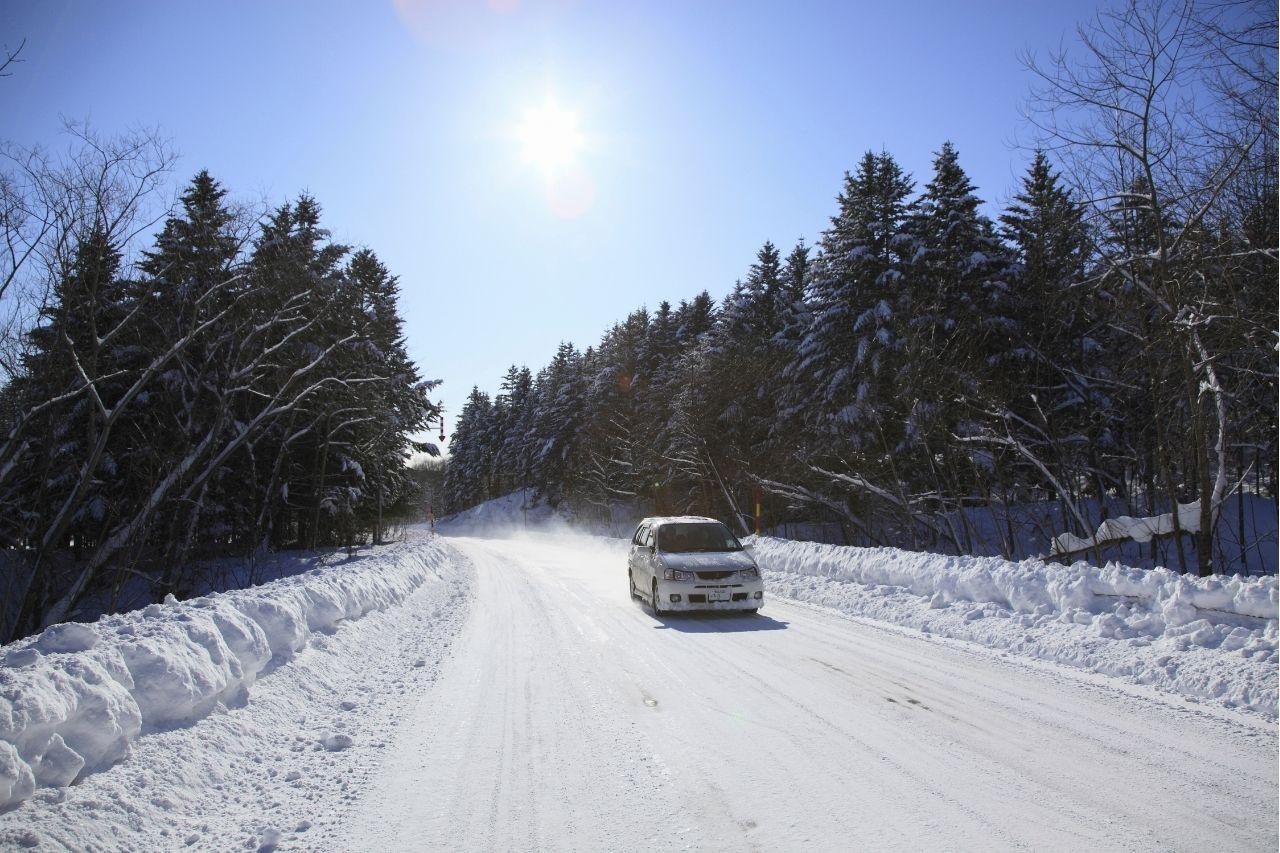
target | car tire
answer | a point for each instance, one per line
(653, 599)
(751, 611)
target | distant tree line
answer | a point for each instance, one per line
(242, 387)
(923, 374)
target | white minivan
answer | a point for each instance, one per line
(692, 563)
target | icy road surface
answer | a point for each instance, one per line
(569, 718)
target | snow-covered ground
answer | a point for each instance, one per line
(522, 511)
(236, 720)
(1205, 639)
(496, 688)
(510, 514)
(569, 718)
(1210, 640)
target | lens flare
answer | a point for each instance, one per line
(570, 193)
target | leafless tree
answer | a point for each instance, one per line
(11, 57)
(1158, 110)
(48, 202)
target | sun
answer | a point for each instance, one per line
(550, 137)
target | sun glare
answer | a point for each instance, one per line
(550, 137)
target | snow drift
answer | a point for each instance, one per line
(523, 510)
(1208, 639)
(517, 511)
(74, 697)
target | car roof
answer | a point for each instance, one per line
(668, 519)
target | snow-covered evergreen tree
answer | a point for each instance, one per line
(467, 475)
(962, 333)
(855, 296)
(558, 419)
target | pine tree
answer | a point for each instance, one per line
(961, 337)
(79, 355)
(961, 278)
(391, 395)
(613, 446)
(1056, 384)
(466, 480)
(558, 421)
(190, 277)
(793, 321)
(854, 290)
(514, 408)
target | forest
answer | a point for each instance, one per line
(932, 376)
(239, 386)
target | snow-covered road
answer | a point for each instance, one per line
(506, 694)
(569, 718)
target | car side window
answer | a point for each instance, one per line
(638, 539)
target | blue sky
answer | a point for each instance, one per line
(709, 128)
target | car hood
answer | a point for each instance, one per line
(707, 561)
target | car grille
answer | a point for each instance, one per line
(713, 576)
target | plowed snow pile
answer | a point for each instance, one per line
(76, 697)
(516, 512)
(1207, 639)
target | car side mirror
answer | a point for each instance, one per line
(748, 547)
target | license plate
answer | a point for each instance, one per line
(717, 595)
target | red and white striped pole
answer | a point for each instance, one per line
(758, 529)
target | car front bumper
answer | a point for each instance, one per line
(702, 595)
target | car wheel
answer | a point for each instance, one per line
(653, 599)
(751, 611)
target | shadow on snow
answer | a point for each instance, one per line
(717, 622)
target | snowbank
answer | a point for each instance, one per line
(523, 511)
(75, 697)
(519, 510)
(1211, 639)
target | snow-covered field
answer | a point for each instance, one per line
(496, 688)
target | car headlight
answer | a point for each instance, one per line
(750, 573)
(677, 575)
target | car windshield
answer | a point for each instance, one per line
(684, 537)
